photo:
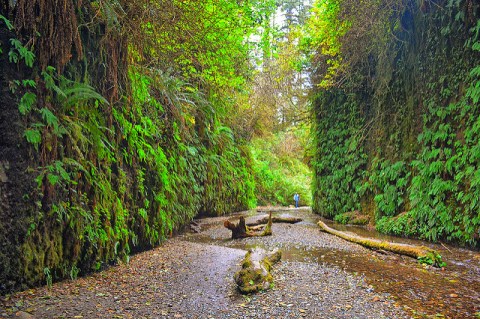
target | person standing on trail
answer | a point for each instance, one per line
(296, 198)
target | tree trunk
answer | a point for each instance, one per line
(422, 253)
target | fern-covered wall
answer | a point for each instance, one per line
(102, 155)
(399, 139)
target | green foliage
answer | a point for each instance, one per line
(444, 193)
(401, 225)
(74, 272)
(135, 137)
(9, 26)
(342, 218)
(226, 174)
(324, 30)
(389, 183)
(29, 99)
(419, 126)
(339, 159)
(279, 170)
(146, 182)
(33, 136)
(7, 22)
(66, 92)
(55, 174)
(48, 276)
(340, 35)
(18, 52)
(215, 52)
(70, 93)
(432, 259)
(353, 218)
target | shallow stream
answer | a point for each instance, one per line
(424, 291)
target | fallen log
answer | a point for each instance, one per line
(256, 227)
(241, 230)
(255, 273)
(277, 219)
(422, 253)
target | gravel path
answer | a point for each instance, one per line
(191, 276)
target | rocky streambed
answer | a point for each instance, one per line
(319, 276)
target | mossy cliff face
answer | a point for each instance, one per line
(399, 140)
(101, 156)
(16, 184)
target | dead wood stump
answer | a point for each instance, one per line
(241, 230)
(255, 273)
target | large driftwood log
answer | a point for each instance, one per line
(255, 273)
(241, 230)
(422, 253)
(277, 219)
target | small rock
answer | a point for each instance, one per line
(24, 315)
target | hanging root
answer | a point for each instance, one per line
(49, 26)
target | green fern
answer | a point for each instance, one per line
(21, 53)
(33, 136)
(7, 22)
(49, 117)
(27, 101)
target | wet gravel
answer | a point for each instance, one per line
(305, 290)
(191, 276)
